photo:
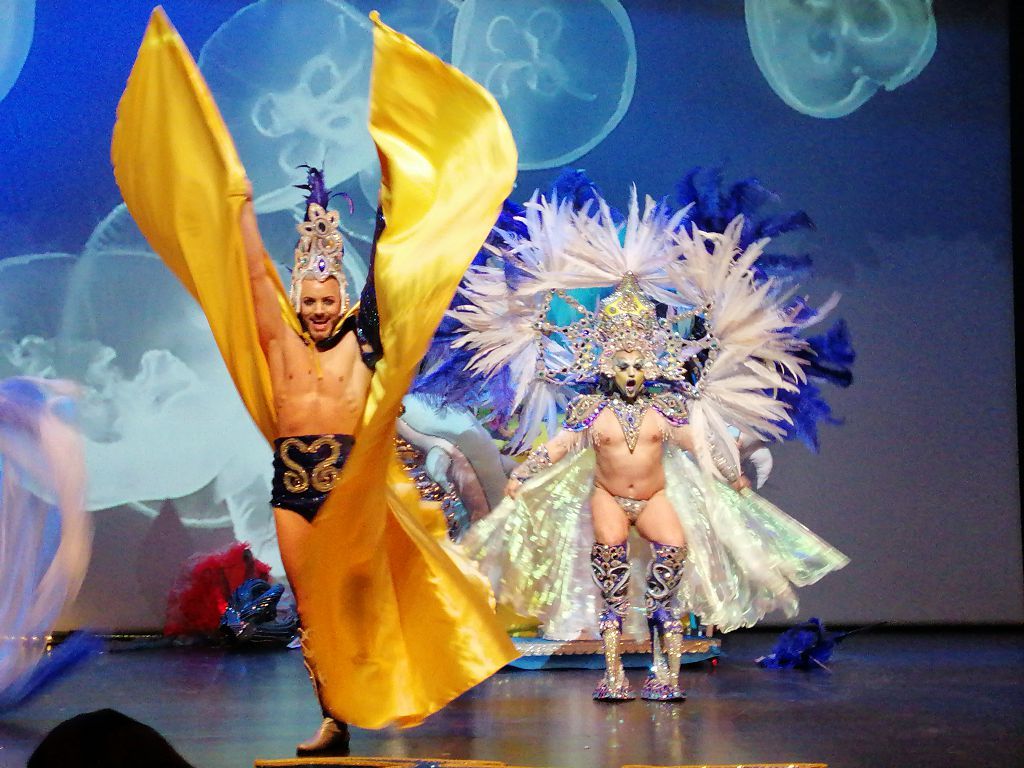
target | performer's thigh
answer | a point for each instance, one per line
(659, 522)
(611, 526)
(292, 539)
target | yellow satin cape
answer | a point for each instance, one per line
(398, 628)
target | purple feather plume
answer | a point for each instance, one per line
(575, 185)
(832, 355)
(807, 408)
(444, 379)
(318, 193)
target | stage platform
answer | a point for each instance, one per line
(893, 698)
(536, 653)
(394, 762)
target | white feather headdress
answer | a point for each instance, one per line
(724, 339)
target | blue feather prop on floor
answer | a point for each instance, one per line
(806, 646)
(77, 648)
(801, 647)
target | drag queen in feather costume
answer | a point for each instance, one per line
(680, 366)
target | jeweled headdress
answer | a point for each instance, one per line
(685, 298)
(627, 321)
(320, 249)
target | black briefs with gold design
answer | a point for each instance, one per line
(306, 468)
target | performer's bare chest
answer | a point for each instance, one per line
(318, 391)
(643, 432)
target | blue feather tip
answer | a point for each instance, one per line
(76, 649)
(574, 184)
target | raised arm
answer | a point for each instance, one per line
(541, 458)
(269, 322)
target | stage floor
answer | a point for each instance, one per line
(907, 698)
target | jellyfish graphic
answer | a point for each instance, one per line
(563, 72)
(140, 348)
(291, 78)
(828, 57)
(152, 382)
(16, 30)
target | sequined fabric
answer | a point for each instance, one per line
(609, 565)
(584, 410)
(745, 554)
(655, 689)
(627, 320)
(672, 406)
(663, 576)
(630, 416)
(306, 468)
(413, 461)
(610, 568)
(632, 507)
(320, 249)
(535, 462)
(535, 549)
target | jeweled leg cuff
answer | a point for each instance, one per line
(610, 566)
(663, 577)
(614, 686)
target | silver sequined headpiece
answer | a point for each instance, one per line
(627, 320)
(320, 249)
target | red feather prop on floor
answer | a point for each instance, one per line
(200, 593)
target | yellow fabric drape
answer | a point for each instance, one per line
(184, 185)
(426, 633)
(398, 628)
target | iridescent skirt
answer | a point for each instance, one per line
(746, 555)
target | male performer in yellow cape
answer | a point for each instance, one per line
(395, 629)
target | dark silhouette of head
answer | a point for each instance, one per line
(105, 738)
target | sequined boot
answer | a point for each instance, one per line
(331, 738)
(663, 576)
(610, 566)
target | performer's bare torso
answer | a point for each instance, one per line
(636, 474)
(315, 392)
(312, 403)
